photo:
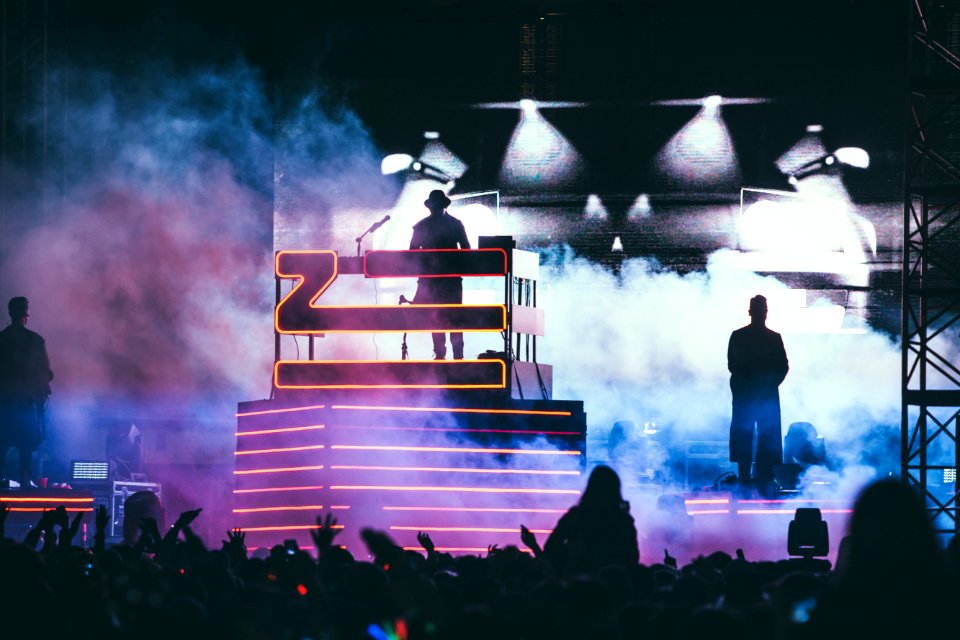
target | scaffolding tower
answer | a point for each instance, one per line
(931, 261)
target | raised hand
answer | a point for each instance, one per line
(33, 536)
(492, 550)
(67, 534)
(4, 512)
(235, 545)
(740, 555)
(669, 560)
(426, 543)
(100, 536)
(186, 518)
(325, 532)
(528, 538)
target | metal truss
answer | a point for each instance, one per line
(930, 330)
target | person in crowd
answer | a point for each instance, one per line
(25, 377)
(596, 532)
(758, 365)
(440, 230)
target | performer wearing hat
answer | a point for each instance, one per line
(440, 230)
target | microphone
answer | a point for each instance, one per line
(403, 300)
(374, 227)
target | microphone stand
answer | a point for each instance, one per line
(404, 354)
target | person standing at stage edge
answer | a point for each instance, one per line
(440, 230)
(25, 377)
(758, 364)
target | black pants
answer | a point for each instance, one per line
(760, 412)
(442, 291)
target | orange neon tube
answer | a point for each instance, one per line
(374, 447)
(522, 412)
(310, 507)
(38, 509)
(263, 432)
(290, 527)
(277, 470)
(57, 500)
(708, 512)
(271, 489)
(339, 506)
(358, 467)
(466, 489)
(707, 501)
(765, 512)
(449, 549)
(477, 509)
(468, 529)
(281, 450)
(790, 501)
(528, 432)
(268, 411)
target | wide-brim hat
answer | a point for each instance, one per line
(437, 198)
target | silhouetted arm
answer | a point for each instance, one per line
(4, 512)
(67, 534)
(463, 240)
(782, 366)
(530, 539)
(100, 536)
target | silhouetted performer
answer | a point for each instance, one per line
(25, 377)
(597, 532)
(440, 230)
(758, 364)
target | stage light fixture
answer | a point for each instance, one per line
(850, 156)
(538, 155)
(712, 102)
(395, 163)
(701, 154)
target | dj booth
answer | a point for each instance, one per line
(464, 450)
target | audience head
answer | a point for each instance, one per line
(140, 505)
(19, 309)
(603, 489)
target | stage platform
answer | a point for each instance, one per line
(27, 505)
(467, 468)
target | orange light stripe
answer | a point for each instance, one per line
(263, 432)
(475, 509)
(523, 412)
(373, 447)
(57, 500)
(455, 470)
(532, 432)
(765, 512)
(467, 489)
(366, 274)
(261, 509)
(268, 411)
(290, 528)
(282, 450)
(791, 501)
(707, 501)
(468, 529)
(448, 549)
(277, 470)
(708, 512)
(340, 506)
(271, 489)
(351, 307)
(787, 512)
(38, 509)
(447, 363)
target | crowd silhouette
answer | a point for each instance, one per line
(892, 579)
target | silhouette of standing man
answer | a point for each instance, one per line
(758, 364)
(25, 378)
(440, 230)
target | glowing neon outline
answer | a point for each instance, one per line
(466, 529)
(351, 407)
(260, 413)
(272, 489)
(276, 470)
(544, 472)
(366, 274)
(318, 507)
(57, 500)
(289, 528)
(477, 509)
(378, 447)
(281, 450)
(502, 385)
(467, 489)
(533, 432)
(263, 432)
(300, 279)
